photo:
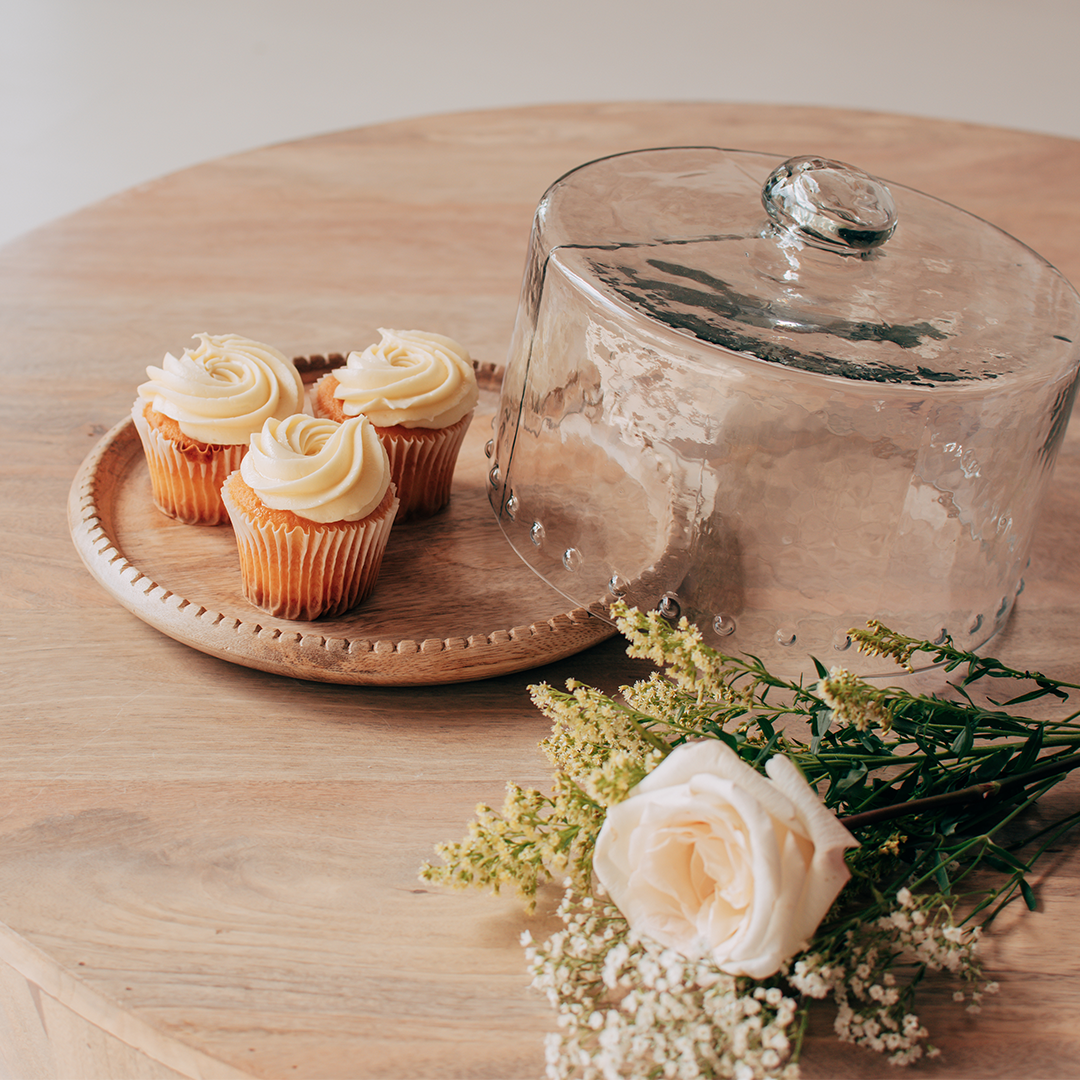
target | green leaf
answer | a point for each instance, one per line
(1029, 895)
(1030, 752)
(942, 878)
(822, 720)
(872, 742)
(822, 673)
(1032, 695)
(854, 775)
(963, 742)
(1003, 860)
(725, 737)
(766, 751)
(904, 726)
(993, 766)
(821, 723)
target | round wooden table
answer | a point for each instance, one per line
(207, 870)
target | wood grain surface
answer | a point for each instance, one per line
(210, 871)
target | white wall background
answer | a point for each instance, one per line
(99, 95)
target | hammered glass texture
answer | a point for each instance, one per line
(814, 477)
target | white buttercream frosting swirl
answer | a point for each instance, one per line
(319, 469)
(223, 390)
(410, 379)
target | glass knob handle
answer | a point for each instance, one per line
(830, 204)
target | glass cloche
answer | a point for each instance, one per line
(780, 398)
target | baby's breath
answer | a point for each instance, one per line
(628, 1007)
(872, 969)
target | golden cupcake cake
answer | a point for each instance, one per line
(419, 390)
(197, 412)
(312, 507)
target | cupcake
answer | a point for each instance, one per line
(419, 390)
(196, 415)
(312, 507)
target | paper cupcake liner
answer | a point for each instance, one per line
(312, 571)
(185, 488)
(422, 463)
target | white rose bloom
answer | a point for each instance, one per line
(710, 858)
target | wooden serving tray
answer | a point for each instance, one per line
(453, 602)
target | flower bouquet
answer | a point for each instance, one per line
(734, 845)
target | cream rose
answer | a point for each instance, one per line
(713, 859)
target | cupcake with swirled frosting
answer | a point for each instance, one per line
(312, 507)
(419, 390)
(197, 412)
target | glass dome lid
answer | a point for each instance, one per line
(780, 397)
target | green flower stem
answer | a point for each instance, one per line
(982, 841)
(1008, 890)
(913, 878)
(799, 1035)
(965, 795)
(1055, 830)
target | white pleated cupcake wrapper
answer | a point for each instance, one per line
(304, 574)
(187, 490)
(423, 469)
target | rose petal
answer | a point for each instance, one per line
(828, 872)
(708, 856)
